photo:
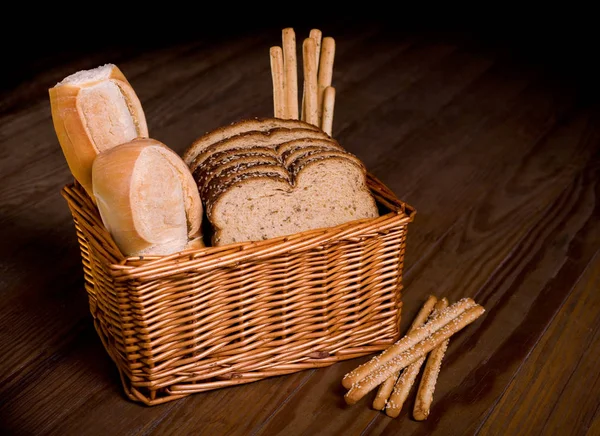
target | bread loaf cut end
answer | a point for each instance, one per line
(147, 199)
(93, 111)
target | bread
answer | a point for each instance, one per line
(290, 151)
(147, 198)
(227, 163)
(324, 193)
(92, 111)
(242, 126)
(276, 180)
(269, 138)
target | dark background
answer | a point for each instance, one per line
(563, 40)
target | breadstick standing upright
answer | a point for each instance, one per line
(291, 73)
(386, 387)
(276, 55)
(309, 48)
(317, 35)
(428, 382)
(408, 341)
(382, 372)
(407, 379)
(325, 69)
(328, 107)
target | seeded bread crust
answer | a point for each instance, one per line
(296, 147)
(308, 142)
(291, 156)
(299, 164)
(271, 138)
(239, 127)
(203, 178)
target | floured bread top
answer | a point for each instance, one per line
(108, 118)
(86, 76)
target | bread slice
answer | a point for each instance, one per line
(296, 144)
(296, 166)
(147, 198)
(269, 138)
(237, 128)
(211, 166)
(232, 165)
(93, 111)
(292, 154)
(233, 175)
(325, 192)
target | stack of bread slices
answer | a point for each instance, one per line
(259, 179)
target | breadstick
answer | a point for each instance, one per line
(325, 69)
(327, 110)
(409, 375)
(277, 72)
(310, 81)
(408, 341)
(386, 387)
(291, 73)
(428, 382)
(378, 376)
(316, 35)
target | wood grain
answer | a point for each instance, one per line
(550, 392)
(500, 157)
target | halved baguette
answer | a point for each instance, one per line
(147, 198)
(93, 111)
(237, 128)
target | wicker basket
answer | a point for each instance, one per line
(221, 316)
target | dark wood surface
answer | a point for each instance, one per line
(498, 152)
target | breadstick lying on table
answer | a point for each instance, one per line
(378, 373)
(428, 382)
(386, 387)
(407, 379)
(408, 341)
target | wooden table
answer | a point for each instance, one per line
(499, 155)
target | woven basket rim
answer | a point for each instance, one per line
(135, 267)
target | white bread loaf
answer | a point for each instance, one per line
(93, 111)
(147, 198)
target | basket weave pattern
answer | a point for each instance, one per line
(220, 316)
